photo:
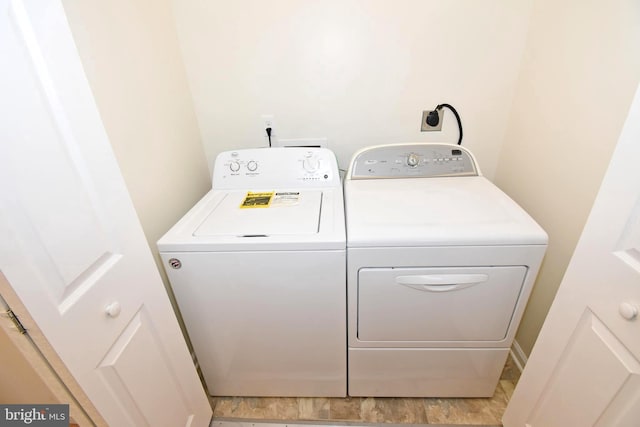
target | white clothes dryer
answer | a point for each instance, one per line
(258, 271)
(440, 264)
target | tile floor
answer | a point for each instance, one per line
(375, 410)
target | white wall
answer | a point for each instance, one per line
(358, 72)
(579, 74)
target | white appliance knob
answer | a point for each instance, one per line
(311, 164)
(628, 310)
(234, 166)
(413, 160)
(252, 165)
(113, 309)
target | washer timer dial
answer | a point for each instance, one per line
(311, 163)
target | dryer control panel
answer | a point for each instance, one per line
(277, 167)
(420, 160)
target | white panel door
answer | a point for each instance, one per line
(70, 241)
(585, 367)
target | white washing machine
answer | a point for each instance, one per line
(440, 264)
(258, 270)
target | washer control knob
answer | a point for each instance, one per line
(413, 160)
(234, 166)
(628, 310)
(311, 164)
(252, 165)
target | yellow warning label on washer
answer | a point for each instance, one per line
(257, 200)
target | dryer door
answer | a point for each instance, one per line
(437, 304)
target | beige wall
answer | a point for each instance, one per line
(130, 53)
(19, 382)
(358, 72)
(579, 73)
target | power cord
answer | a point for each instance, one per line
(269, 135)
(436, 119)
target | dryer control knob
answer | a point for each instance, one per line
(234, 166)
(252, 165)
(413, 160)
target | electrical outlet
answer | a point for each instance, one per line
(268, 121)
(426, 127)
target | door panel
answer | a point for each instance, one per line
(584, 369)
(70, 241)
(593, 356)
(120, 370)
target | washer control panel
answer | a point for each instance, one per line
(276, 167)
(421, 160)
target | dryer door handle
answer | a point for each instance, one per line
(441, 282)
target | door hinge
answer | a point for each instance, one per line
(19, 326)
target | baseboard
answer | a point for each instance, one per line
(518, 355)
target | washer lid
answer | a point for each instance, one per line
(264, 213)
(435, 212)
